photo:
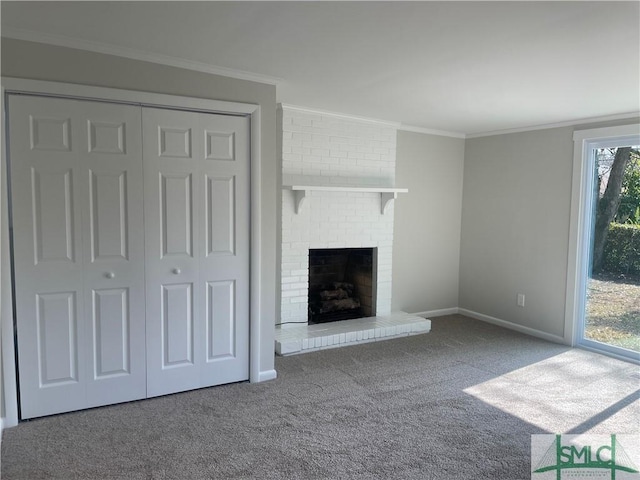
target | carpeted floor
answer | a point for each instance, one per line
(458, 403)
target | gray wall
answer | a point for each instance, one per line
(44, 62)
(515, 225)
(426, 240)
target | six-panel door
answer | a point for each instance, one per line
(76, 172)
(197, 249)
(91, 330)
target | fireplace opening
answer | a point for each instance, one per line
(341, 284)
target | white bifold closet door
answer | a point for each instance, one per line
(76, 176)
(196, 173)
(131, 251)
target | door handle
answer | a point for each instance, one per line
(176, 271)
(110, 275)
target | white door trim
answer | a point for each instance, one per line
(85, 92)
(581, 198)
(9, 385)
(18, 85)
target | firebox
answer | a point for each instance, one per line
(342, 284)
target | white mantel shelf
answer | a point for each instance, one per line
(386, 193)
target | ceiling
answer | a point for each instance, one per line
(465, 67)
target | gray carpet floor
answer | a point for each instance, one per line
(460, 402)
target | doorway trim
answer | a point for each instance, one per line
(579, 238)
(257, 324)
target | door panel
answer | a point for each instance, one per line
(111, 326)
(57, 338)
(171, 264)
(220, 228)
(224, 247)
(108, 215)
(53, 225)
(220, 145)
(50, 133)
(112, 219)
(174, 142)
(107, 137)
(196, 209)
(177, 325)
(176, 217)
(78, 247)
(47, 252)
(221, 320)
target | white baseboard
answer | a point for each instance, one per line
(266, 375)
(512, 326)
(437, 313)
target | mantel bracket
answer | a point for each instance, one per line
(385, 198)
(299, 196)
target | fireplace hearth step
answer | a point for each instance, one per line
(302, 338)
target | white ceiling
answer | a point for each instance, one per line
(466, 67)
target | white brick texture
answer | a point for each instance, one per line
(331, 149)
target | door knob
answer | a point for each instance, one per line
(110, 275)
(176, 271)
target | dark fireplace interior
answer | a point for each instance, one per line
(341, 284)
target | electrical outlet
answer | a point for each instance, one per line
(521, 299)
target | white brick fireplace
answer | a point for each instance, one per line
(324, 149)
(338, 179)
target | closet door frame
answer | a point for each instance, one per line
(144, 99)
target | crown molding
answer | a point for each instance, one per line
(570, 123)
(431, 131)
(286, 106)
(134, 54)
